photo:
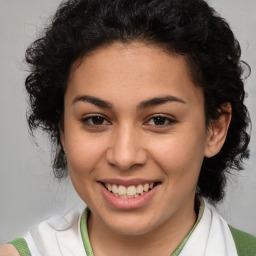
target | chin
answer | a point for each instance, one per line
(131, 230)
(131, 226)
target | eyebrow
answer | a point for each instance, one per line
(94, 100)
(158, 101)
(144, 104)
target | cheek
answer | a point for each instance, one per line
(84, 157)
(84, 153)
(180, 155)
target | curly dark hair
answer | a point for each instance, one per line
(188, 28)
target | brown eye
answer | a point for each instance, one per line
(95, 121)
(160, 121)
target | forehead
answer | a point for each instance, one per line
(136, 69)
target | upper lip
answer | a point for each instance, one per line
(128, 182)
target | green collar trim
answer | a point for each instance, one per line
(87, 244)
(84, 232)
(200, 214)
(21, 245)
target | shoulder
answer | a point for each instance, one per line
(56, 235)
(8, 250)
(245, 243)
(51, 236)
(62, 222)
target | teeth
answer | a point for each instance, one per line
(114, 189)
(129, 192)
(139, 189)
(109, 187)
(122, 190)
(146, 187)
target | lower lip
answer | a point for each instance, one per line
(127, 203)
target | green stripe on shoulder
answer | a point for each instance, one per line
(245, 243)
(21, 245)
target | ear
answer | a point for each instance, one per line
(62, 137)
(217, 131)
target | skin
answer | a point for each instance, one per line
(8, 250)
(127, 143)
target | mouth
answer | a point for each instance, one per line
(132, 191)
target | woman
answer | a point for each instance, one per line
(143, 101)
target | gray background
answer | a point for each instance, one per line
(28, 190)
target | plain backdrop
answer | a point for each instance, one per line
(28, 190)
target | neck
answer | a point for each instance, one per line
(162, 240)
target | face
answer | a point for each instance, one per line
(135, 136)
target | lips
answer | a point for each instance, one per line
(128, 194)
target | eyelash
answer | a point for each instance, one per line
(88, 121)
(160, 118)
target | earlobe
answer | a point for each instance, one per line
(217, 131)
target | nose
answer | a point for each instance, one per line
(127, 149)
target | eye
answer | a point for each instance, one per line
(95, 120)
(160, 121)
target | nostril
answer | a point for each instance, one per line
(127, 158)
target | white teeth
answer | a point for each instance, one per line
(122, 190)
(139, 189)
(129, 192)
(109, 187)
(146, 187)
(114, 189)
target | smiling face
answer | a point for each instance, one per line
(134, 117)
